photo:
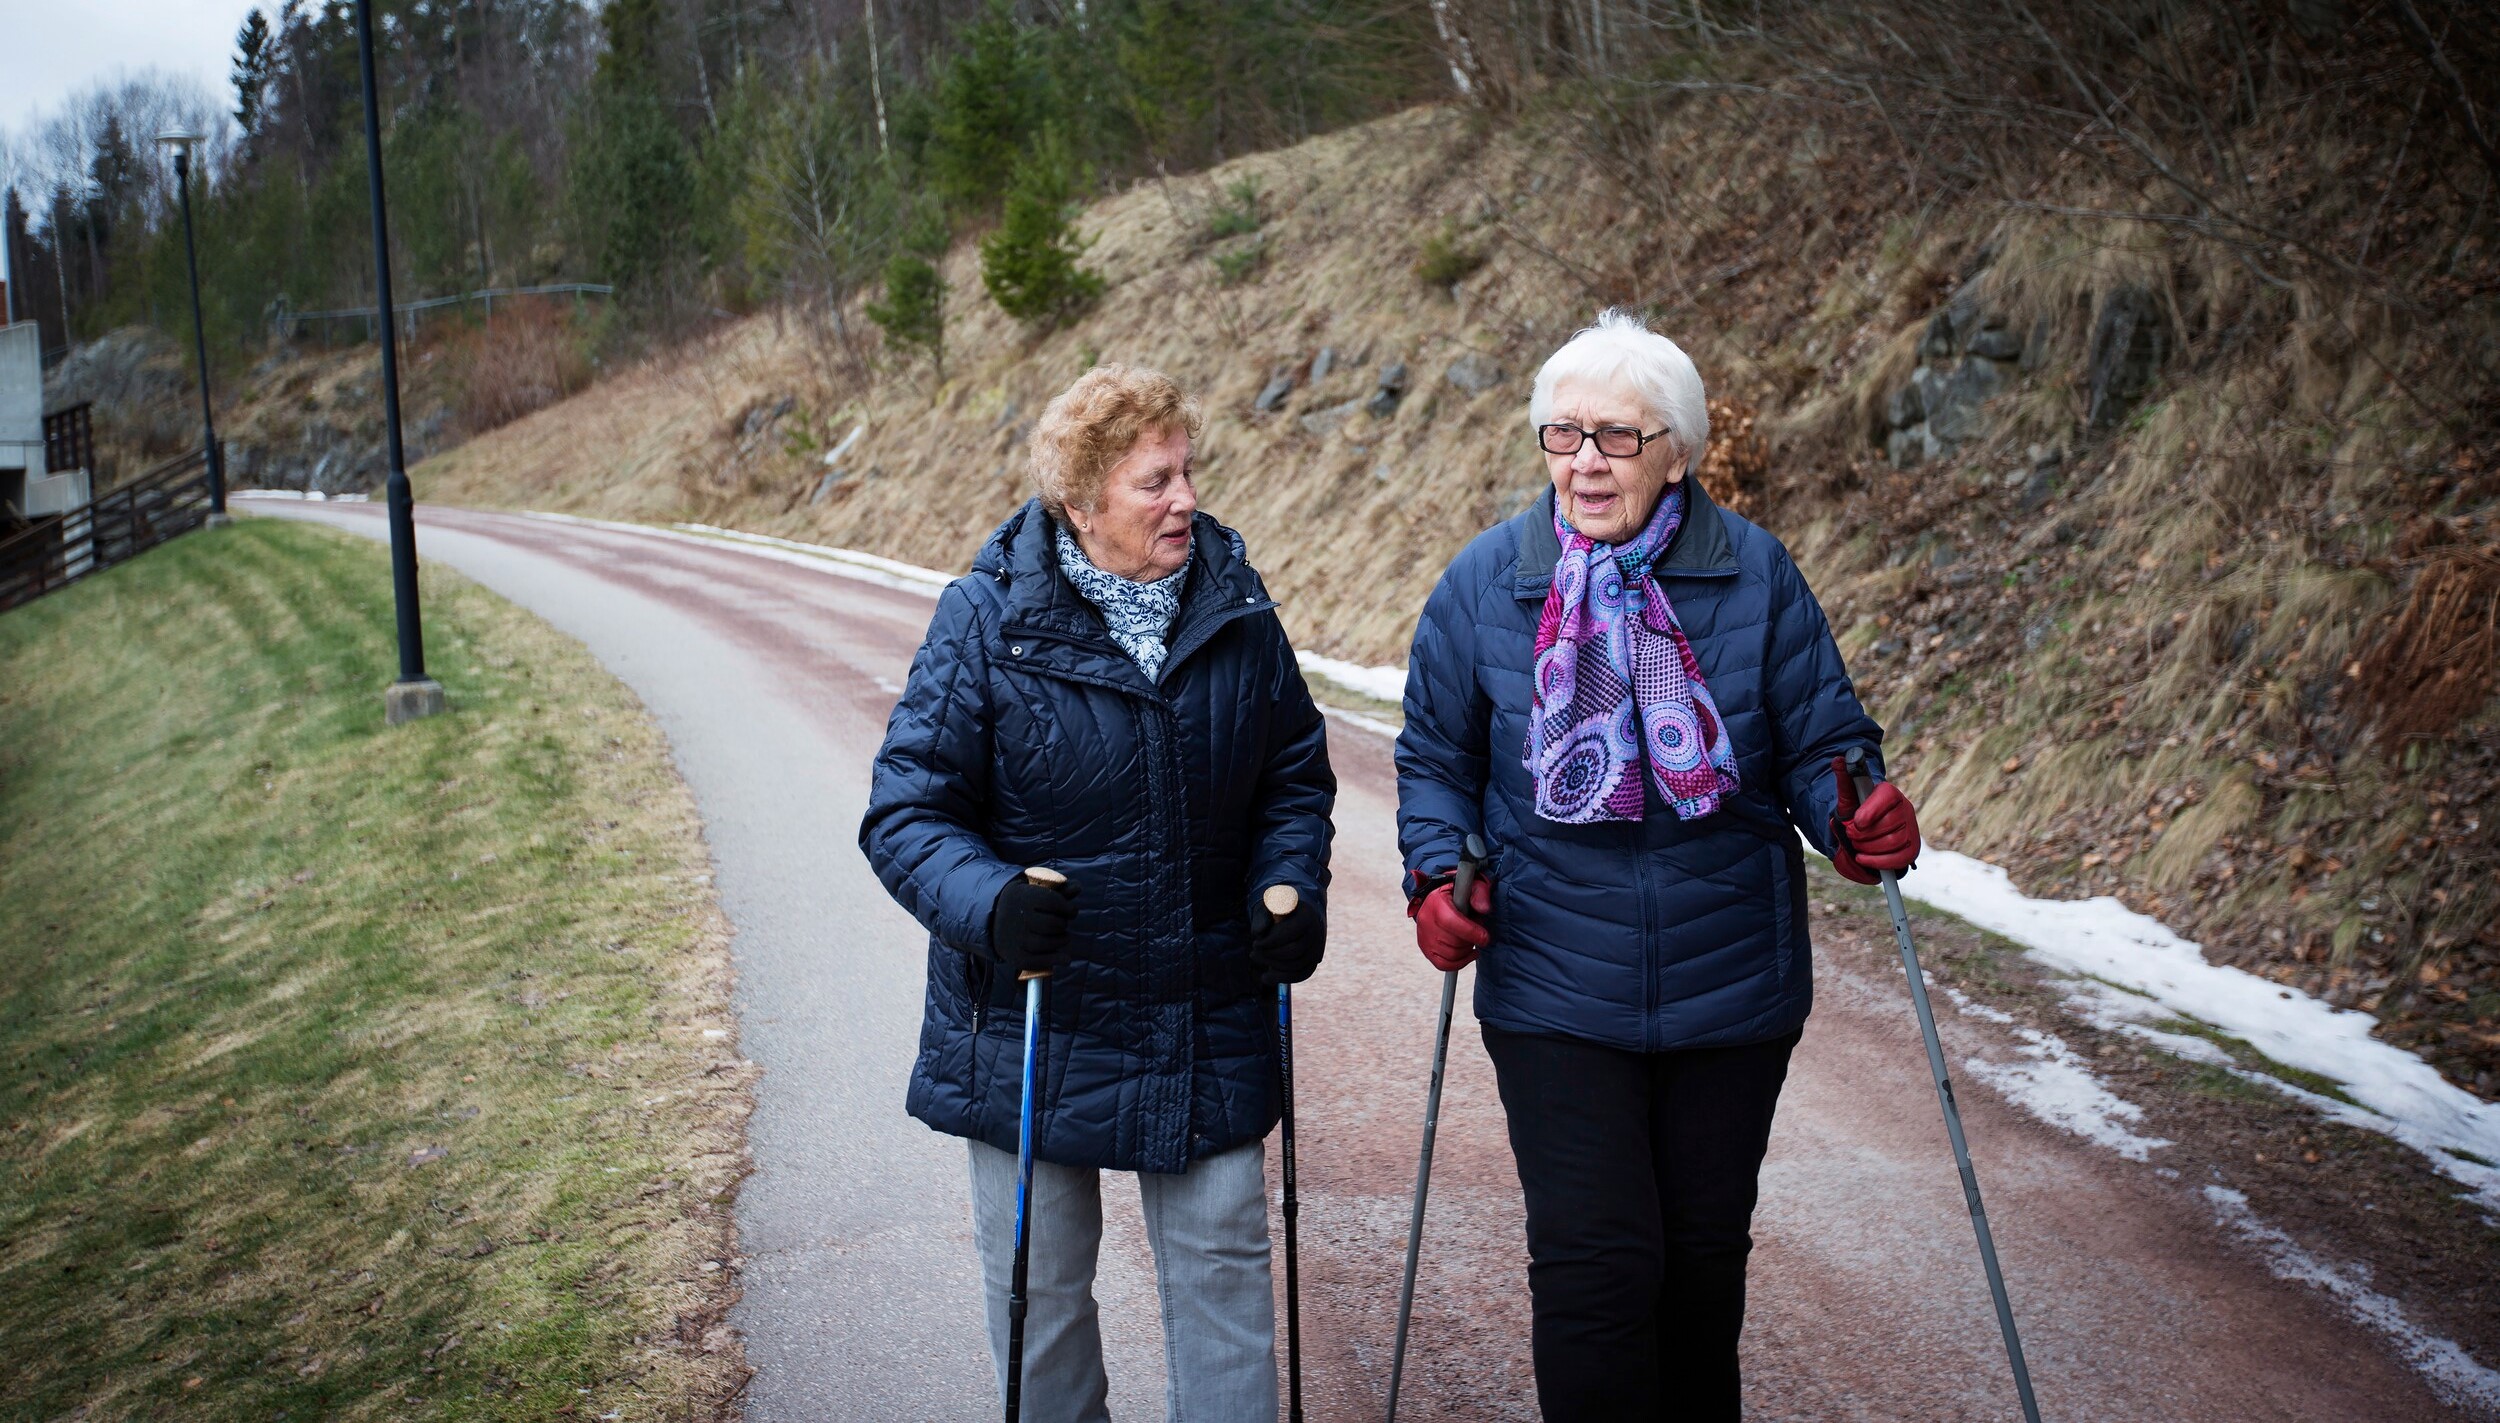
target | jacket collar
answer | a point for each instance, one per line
(1700, 549)
(1022, 555)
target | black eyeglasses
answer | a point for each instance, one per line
(1614, 441)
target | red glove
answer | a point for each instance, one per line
(1882, 834)
(1447, 937)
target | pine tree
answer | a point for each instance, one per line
(983, 114)
(1029, 264)
(633, 180)
(253, 58)
(914, 310)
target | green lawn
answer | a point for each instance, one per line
(349, 1071)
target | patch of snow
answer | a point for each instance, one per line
(2398, 1093)
(312, 495)
(1371, 724)
(1381, 684)
(1971, 1007)
(2455, 1375)
(912, 575)
(2055, 1084)
(2116, 1010)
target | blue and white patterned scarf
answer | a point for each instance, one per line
(1139, 615)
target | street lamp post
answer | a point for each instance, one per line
(181, 142)
(414, 694)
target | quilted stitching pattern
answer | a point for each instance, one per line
(1025, 736)
(1646, 935)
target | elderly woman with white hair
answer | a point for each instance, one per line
(1633, 697)
(1108, 694)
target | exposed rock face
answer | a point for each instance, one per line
(1474, 374)
(340, 451)
(1996, 344)
(1391, 390)
(1969, 354)
(1328, 417)
(122, 369)
(1273, 394)
(147, 402)
(1966, 357)
(2130, 339)
(293, 419)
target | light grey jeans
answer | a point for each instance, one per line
(1208, 1228)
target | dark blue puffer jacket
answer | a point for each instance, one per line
(1027, 737)
(1650, 935)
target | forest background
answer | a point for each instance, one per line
(705, 157)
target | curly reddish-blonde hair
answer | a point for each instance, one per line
(1094, 423)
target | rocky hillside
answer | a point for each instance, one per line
(2171, 579)
(306, 416)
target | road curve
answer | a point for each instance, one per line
(772, 681)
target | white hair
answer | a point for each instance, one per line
(1622, 347)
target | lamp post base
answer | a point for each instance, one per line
(407, 701)
(219, 520)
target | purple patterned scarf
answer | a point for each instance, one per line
(1617, 686)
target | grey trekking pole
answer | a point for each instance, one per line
(1462, 890)
(1016, 1300)
(1865, 784)
(1281, 900)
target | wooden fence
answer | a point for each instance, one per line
(60, 549)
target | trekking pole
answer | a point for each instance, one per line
(1281, 900)
(1865, 784)
(1462, 890)
(1033, 979)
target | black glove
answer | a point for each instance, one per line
(1287, 950)
(1029, 925)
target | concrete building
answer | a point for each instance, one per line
(46, 464)
(43, 462)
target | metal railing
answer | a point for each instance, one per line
(57, 551)
(290, 324)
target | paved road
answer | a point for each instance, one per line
(773, 682)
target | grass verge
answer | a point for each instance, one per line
(350, 1072)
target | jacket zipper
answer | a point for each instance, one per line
(1649, 947)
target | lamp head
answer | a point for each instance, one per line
(181, 141)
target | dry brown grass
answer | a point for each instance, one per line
(2166, 632)
(2431, 665)
(521, 359)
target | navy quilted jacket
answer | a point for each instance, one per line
(1642, 935)
(1027, 737)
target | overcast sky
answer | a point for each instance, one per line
(51, 49)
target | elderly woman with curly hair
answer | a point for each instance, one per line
(1109, 694)
(1632, 695)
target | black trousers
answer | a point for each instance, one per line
(1640, 1171)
